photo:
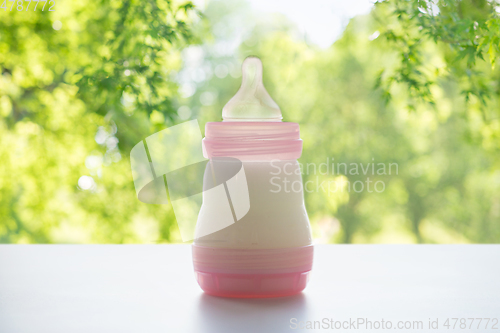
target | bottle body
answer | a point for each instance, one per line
(266, 253)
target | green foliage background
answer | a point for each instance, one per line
(413, 83)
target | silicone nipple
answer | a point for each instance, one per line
(252, 101)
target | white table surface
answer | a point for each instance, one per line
(151, 288)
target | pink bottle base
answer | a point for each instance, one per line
(252, 285)
(252, 273)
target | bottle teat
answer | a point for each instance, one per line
(252, 101)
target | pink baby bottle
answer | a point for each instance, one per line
(267, 251)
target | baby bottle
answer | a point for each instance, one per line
(267, 251)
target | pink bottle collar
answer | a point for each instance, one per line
(252, 140)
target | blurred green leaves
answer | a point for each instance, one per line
(467, 30)
(134, 55)
(77, 88)
(74, 101)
